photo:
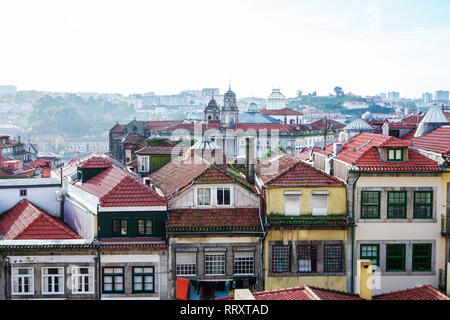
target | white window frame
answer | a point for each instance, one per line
(292, 193)
(244, 255)
(61, 283)
(22, 276)
(211, 193)
(81, 276)
(222, 261)
(184, 264)
(231, 196)
(319, 193)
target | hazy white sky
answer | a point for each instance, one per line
(166, 46)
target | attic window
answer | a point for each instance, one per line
(395, 154)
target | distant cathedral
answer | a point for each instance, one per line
(228, 115)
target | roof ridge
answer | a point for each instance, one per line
(312, 293)
(427, 286)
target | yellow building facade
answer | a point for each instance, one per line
(306, 240)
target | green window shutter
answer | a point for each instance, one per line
(396, 205)
(370, 204)
(421, 256)
(395, 257)
(423, 204)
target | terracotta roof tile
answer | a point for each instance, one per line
(292, 172)
(96, 162)
(425, 292)
(437, 141)
(214, 220)
(284, 111)
(26, 221)
(131, 193)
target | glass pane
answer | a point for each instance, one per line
(118, 279)
(107, 286)
(227, 197)
(118, 270)
(148, 270)
(138, 270)
(398, 154)
(141, 227)
(219, 196)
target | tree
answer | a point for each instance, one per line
(299, 93)
(338, 91)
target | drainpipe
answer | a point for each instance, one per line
(7, 282)
(353, 233)
(98, 271)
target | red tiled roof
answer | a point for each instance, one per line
(273, 166)
(292, 172)
(269, 127)
(95, 162)
(160, 124)
(165, 148)
(371, 162)
(127, 243)
(284, 112)
(213, 175)
(360, 151)
(118, 128)
(40, 163)
(131, 193)
(178, 174)
(437, 141)
(425, 292)
(305, 292)
(214, 220)
(320, 124)
(26, 221)
(192, 126)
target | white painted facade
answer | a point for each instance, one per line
(40, 192)
(401, 231)
(240, 197)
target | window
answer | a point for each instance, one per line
(186, 263)
(307, 258)
(204, 196)
(144, 163)
(214, 264)
(423, 204)
(319, 202)
(22, 281)
(395, 257)
(421, 256)
(371, 252)
(370, 204)
(396, 205)
(52, 280)
(143, 279)
(332, 258)
(281, 258)
(82, 280)
(113, 280)
(223, 196)
(395, 154)
(23, 192)
(145, 227)
(292, 203)
(244, 263)
(120, 227)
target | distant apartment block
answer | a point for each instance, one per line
(427, 97)
(355, 105)
(441, 95)
(5, 89)
(393, 96)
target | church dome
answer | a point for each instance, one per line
(212, 105)
(358, 125)
(276, 100)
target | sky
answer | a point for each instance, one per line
(365, 47)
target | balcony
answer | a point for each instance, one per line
(445, 226)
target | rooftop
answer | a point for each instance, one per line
(26, 221)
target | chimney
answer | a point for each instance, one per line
(250, 159)
(364, 275)
(337, 147)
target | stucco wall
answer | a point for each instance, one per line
(336, 200)
(81, 220)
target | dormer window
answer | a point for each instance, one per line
(395, 154)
